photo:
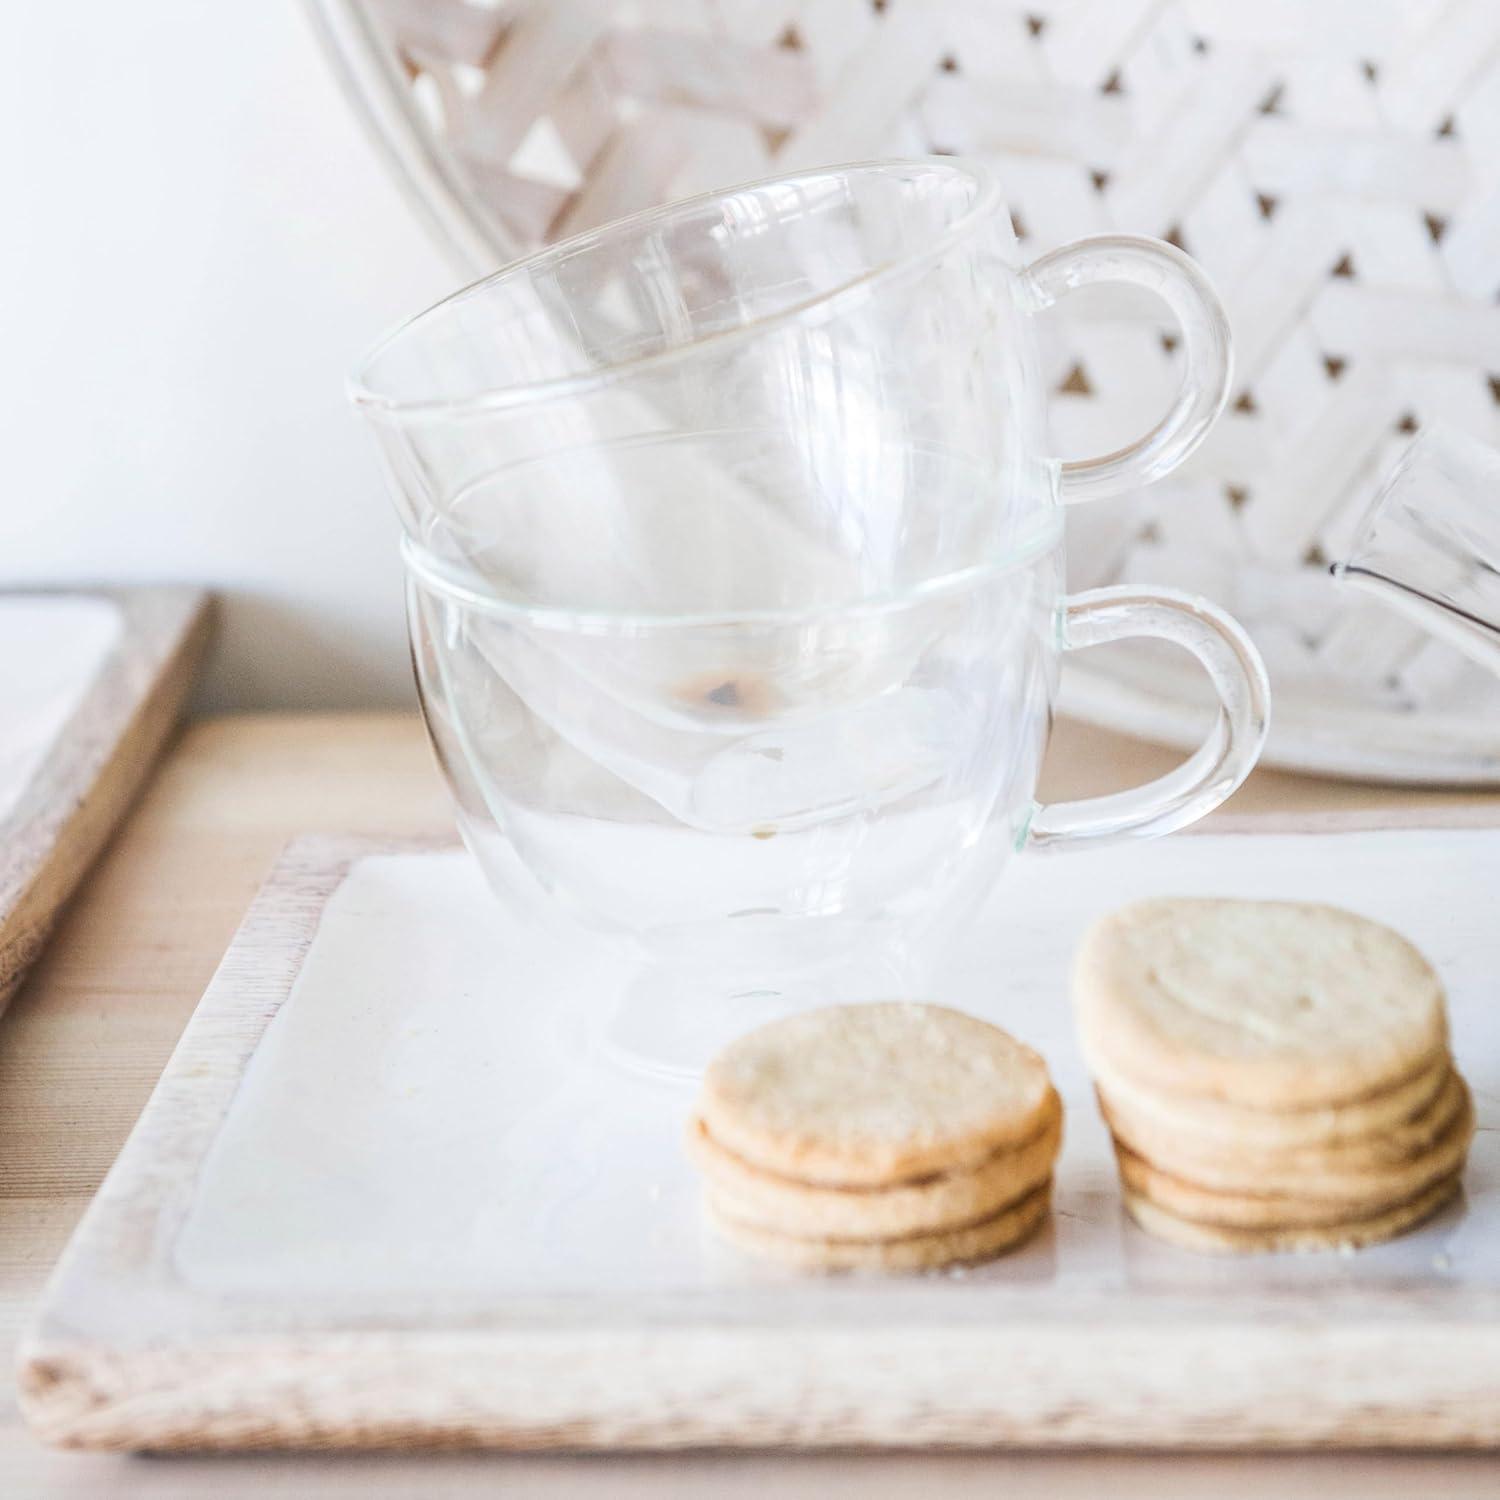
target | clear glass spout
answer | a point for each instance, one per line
(1429, 545)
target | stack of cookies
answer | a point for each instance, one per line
(1276, 1075)
(894, 1137)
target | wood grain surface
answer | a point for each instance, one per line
(102, 754)
(87, 1036)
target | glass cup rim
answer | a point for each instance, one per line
(824, 305)
(461, 586)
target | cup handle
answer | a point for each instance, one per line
(1219, 764)
(1208, 364)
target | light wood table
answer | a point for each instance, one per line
(83, 1043)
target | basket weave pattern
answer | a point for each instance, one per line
(1334, 164)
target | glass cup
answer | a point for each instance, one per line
(1429, 544)
(736, 578)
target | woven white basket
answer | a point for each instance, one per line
(1334, 164)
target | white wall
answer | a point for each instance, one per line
(196, 242)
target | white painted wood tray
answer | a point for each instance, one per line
(387, 1192)
(91, 682)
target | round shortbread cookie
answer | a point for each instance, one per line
(873, 1095)
(1380, 1169)
(943, 1201)
(1393, 1146)
(1223, 1239)
(918, 1252)
(1273, 1004)
(1186, 1200)
(1241, 1126)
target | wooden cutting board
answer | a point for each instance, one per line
(91, 682)
(390, 1191)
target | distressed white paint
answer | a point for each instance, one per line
(427, 1109)
(51, 649)
(432, 1209)
(90, 686)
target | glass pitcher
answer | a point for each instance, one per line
(1429, 544)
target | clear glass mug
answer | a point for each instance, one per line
(736, 573)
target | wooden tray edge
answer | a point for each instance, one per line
(1186, 1377)
(107, 748)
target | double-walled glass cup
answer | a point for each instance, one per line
(735, 561)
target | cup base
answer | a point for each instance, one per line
(671, 1020)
